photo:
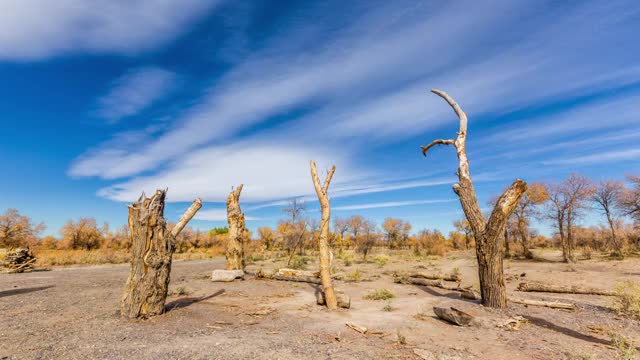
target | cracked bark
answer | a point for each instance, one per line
(235, 244)
(489, 247)
(152, 249)
(323, 239)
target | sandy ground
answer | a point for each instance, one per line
(72, 313)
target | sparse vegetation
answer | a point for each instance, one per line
(627, 301)
(381, 260)
(380, 294)
(388, 307)
(354, 276)
(625, 348)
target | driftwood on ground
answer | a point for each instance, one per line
(549, 304)
(358, 328)
(530, 286)
(19, 260)
(453, 315)
(295, 272)
(308, 279)
(437, 276)
(226, 275)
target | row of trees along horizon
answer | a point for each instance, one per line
(563, 205)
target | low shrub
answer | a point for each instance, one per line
(380, 294)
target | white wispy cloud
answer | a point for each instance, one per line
(606, 156)
(389, 204)
(133, 92)
(367, 85)
(267, 172)
(36, 29)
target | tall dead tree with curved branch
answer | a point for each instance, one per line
(235, 243)
(323, 240)
(489, 248)
(152, 247)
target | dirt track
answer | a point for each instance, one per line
(72, 313)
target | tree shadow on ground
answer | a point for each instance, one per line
(23, 290)
(449, 294)
(565, 331)
(188, 301)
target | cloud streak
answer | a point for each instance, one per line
(343, 96)
(133, 92)
(387, 204)
(38, 29)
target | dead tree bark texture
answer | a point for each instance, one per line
(323, 240)
(152, 248)
(489, 247)
(235, 243)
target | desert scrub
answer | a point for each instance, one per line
(300, 262)
(627, 300)
(625, 348)
(388, 307)
(355, 276)
(81, 257)
(402, 340)
(380, 294)
(180, 291)
(381, 260)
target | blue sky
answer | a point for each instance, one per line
(102, 100)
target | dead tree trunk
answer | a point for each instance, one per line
(152, 247)
(323, 240)
(235, 243)
(489, 247)
(507, 254)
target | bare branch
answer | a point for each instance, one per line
(436, 142)
(327, 180)
(186, 217)
(461, 114)
(505, 205)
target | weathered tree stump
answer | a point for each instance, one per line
(235, 243)
(152, 248)
(344, 301)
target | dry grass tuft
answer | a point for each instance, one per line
(627, 301)
(380, 294)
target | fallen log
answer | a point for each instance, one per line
(295, 272)
(358, 328)
(276, 276)
(344, 301)
(226, 275)
(466, 292)
(549, 304)
(453, 315)
(437, 276)
(531, 286)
